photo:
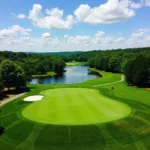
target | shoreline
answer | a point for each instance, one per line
(97, 71)
(49, 74)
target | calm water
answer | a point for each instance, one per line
(73, 74)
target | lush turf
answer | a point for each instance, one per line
(130, 133)
(75, 106)
(107, 77)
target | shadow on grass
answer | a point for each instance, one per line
(12, 92)
(2, 131)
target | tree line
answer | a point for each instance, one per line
(16, 69)
(133, 62)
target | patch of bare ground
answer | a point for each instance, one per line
(7, 94)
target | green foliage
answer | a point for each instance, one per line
(91, 62)
(137, 71)
(134, 63)
(1, 85)
(114, 64)
(12, 75)
(34, 64)
(58, 65)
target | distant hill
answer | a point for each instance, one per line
(56, 53)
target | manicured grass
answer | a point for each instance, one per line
(107, 77)
(74, 63)
(129, 133)
(73, 106)
(51, 73)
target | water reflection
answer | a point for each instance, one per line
(73, 74)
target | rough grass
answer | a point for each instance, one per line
(130, 133)
(19, 132)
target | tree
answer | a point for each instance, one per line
(20, 78)
(1, 85)
(12, 75)
(2, 130)
(141, 72)
(40, 68)
(128, 71)
(1, 88)
(91, 62)
(28, 71)
(58, 65)
(105, 63)
(114, 64)
(137, 71)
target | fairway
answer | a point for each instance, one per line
(75, 106)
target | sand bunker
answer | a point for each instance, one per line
(33, 98)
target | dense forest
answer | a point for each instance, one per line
(134, 63)
(16, 69)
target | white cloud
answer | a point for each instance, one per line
(146, 2)
(21, 30)
(99, 38)
(46, 35)
(78, 39)
(140, 38)
(82, 12)
(137, 35)
(36, 14)
(140, 34)
(55, 12)
(66, 36)
(53, 19)
(14, 31)
(21, 16)
(144, 30)
(120, 40)
(15, 41)
(110, 12)
(7, 33)
(100, 33)
(47, 42)
(25, 39)
(134, 4)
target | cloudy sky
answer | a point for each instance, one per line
(73, 25)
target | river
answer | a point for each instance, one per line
(73, 74)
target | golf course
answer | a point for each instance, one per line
(84, 116)
(75, 106)
(75, 75)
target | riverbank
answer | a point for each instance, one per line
(48, 74)
(72, 74)
(101, 73)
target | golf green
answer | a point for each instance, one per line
(75, 106)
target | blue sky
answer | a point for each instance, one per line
(45, 26)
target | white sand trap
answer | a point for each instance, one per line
(33, 98)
